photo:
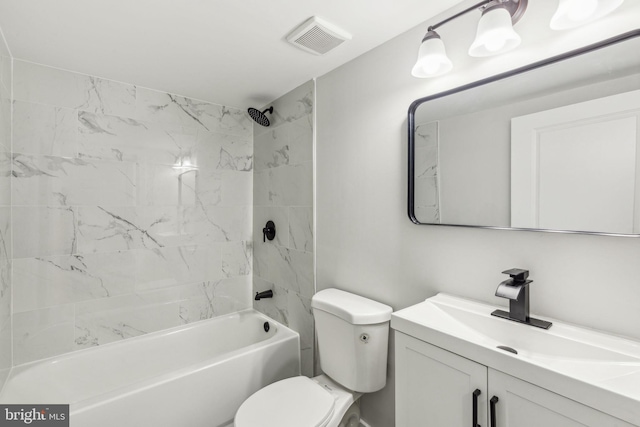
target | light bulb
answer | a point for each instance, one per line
(494, 44)
(573, 13)
(430, 68)
(495, 34)
(582, 10)
(432, 58)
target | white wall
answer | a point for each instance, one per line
(365, 241)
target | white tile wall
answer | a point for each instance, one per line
(427, 201)
(45, 129)
(132, 211)
(43, 85)
(5, 212)
(283, 193)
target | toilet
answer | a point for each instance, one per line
(353, 333)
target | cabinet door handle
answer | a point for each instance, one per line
(474, 419)
(492, 405)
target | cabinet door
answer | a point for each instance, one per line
(434, 388)
(522, 404)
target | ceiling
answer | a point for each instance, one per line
(230, 52)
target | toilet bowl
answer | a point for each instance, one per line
(301, 402)
(353, 334)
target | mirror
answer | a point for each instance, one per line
(554, 146)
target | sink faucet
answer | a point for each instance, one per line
(516, 290)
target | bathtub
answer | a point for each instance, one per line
(191, 376)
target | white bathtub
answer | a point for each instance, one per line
(191, 376)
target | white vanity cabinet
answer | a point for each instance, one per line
(435, 388)
(522, 404)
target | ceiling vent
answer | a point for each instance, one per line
(317, 36)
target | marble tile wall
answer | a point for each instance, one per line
(132, 211)
(427, 199)
(283, 193)
(5, 211)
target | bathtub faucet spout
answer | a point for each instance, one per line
(264, 294)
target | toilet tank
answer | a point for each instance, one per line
(353, 333)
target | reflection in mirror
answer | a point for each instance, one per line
(553, 146)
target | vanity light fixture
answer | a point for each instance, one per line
(495, 35)
(432, 57)
(573, 13)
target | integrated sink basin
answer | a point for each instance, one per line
(603, 369)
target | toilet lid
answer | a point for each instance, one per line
(294, 402)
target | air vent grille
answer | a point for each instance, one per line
(317, 36)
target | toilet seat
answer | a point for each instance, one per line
(293, 402)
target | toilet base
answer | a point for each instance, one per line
(352, 417)
(346, 403)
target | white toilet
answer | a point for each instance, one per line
(352, 340)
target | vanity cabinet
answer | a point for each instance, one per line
(522, 404)
(437, 388)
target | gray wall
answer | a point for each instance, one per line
(283, 193)
(5, 210)
(365, 241)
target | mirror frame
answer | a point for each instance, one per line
(543, 63)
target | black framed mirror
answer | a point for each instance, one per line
(553, 146)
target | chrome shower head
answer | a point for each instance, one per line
(259, 116)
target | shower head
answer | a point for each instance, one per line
(259, 116)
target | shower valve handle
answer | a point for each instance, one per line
(269, 231)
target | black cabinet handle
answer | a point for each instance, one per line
(492, 405)
(474, 397)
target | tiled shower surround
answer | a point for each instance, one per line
(5, 212)
(283, 193)
(427, 199)
(132, 211)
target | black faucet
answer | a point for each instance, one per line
(516, 290)
(263, 294)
